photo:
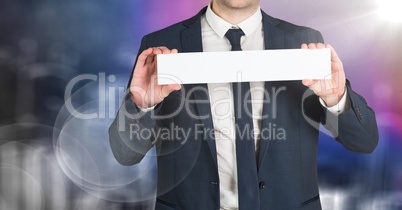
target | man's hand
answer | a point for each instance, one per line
(144, 88)
(330, 91)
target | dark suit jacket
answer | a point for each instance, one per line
(187, 168)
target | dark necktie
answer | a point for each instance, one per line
(234, 36)
(247, 177)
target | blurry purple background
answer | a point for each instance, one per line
(50, 159)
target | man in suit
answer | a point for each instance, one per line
(203, 161)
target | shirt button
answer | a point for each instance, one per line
(262, 185)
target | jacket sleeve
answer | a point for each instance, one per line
(356, 129)
(128, 140)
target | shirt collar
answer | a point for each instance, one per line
(220, 26)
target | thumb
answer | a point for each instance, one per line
(308, 82)
(175, 86)
(167, 89)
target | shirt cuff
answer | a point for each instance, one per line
(147, 109)
(341, 107)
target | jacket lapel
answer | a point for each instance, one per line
(192, 42)
(202, 105)
(191, 39)
(273, 39)
(273, 36)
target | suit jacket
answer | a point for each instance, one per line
(187, 162)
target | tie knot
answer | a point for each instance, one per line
(234, 36)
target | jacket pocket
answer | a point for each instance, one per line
(310, 201)
(163, 205)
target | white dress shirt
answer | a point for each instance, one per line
(213, 32)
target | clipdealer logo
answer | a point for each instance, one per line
(107, 89)
(104, 99)
(198, 132)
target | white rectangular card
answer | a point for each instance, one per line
(244, 66)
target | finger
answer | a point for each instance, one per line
(320, 45)
(150, 58)
(175, 86)
(167, 89)
(304, 46)
(316, 87)
(334, 55)
(164, 50)
(144, 55)
(157, 50)
(312, 46)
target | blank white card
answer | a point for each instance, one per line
(244, 66)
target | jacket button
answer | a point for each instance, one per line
(262, 185)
